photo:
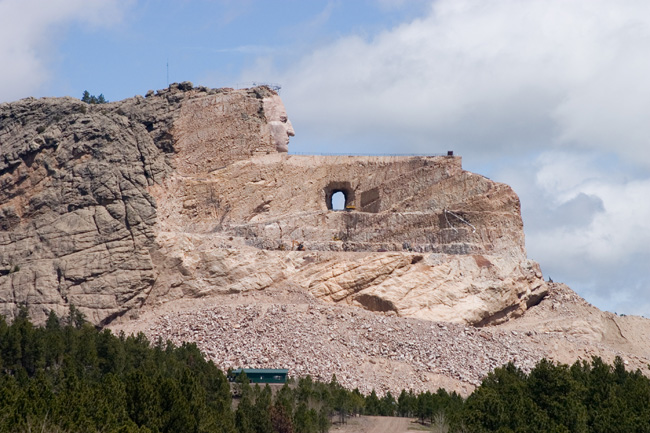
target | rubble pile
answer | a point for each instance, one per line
(382, 351)
(364, 350)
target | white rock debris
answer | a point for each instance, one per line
(366, 350)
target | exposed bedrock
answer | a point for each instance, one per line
(189, 192)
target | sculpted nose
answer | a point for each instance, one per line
(290, 131)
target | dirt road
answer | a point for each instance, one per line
(374, 424)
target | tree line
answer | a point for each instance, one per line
(92, 99)
(68, 376)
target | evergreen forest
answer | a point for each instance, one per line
(68, 376)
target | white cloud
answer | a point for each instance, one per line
(509, 73)
(586, 223)
(558, 90)
(29, 30)
(602, 218)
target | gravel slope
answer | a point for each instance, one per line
(291, 329)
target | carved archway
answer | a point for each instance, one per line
(342, 187)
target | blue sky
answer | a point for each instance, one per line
(549, 96)
(205, 41)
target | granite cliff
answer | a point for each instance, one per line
(190, 192)
(181, 215)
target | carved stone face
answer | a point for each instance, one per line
(279, 124)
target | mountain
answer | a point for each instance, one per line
(188, 197)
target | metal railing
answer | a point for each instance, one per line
(249, 84)
(367, 154)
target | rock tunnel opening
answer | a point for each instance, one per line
(339, 196)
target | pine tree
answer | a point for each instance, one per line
(387, 405)
(262, 408)
(372, 404)
(280, 419)
(244, 415)
(142, 400)
(175, 409)
(405, 403)
(305, 420)
(92, 99)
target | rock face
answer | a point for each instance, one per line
(189, 192)
(77, 222)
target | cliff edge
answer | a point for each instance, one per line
(190, 192)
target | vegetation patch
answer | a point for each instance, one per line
(69, 376)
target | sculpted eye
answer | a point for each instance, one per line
(283, 119)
